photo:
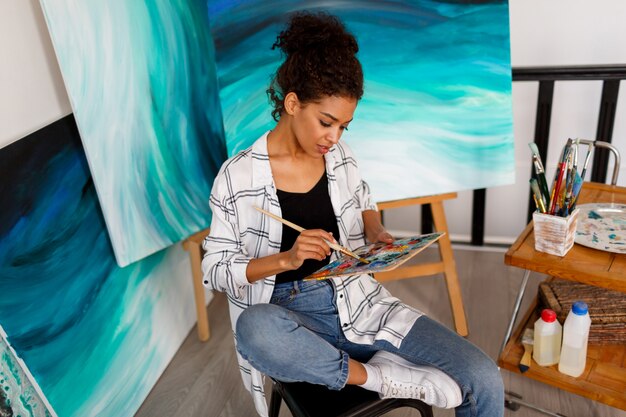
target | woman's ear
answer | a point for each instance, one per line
(291, 103)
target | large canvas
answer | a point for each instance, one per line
(436, 114)
(141, 79)
(94, 336)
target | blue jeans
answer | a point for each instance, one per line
(298, 337)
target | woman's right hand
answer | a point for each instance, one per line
(310, 244)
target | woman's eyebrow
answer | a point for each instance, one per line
(333, 117)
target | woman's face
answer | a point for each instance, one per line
(318, 125)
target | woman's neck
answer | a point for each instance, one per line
(281, 141)
(292, 168)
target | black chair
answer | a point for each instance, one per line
(309, 400)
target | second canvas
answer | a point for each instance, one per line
(141, 79)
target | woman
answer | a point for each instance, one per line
(344, 330)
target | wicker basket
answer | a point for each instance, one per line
(607, 308)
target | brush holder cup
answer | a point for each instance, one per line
(553, 234)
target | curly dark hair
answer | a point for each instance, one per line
(320, 60)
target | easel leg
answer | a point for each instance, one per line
(452, 280)
(195, 255)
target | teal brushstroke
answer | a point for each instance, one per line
(593, 215)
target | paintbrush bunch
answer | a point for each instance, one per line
(560, 199)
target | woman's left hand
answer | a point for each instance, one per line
(384, 236)
(374, 230)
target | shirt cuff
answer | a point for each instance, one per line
(238, 269)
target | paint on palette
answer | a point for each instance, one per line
(602, 226)
(381, 257)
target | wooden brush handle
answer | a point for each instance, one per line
(300, 229)
(528, 350)
(280, 219)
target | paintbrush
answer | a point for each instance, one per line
(294, 226)
(528, 339)
(589, 149)
(540, 173)
(537, 195)
(581, 178)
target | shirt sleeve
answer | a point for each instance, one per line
(226, 260)
(363, 198)
(361, 195)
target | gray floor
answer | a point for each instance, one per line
(203, 379)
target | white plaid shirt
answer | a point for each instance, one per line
(239, 233)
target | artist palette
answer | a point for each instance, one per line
(381, 257)
(602, 226)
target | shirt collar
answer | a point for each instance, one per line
(261, 169)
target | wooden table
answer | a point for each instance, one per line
(604, 378)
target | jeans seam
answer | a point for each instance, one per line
(470, 397)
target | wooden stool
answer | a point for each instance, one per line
(308, 400)
(447, 265)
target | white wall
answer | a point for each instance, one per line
(554, 32)
(551, 33)
(32, 92)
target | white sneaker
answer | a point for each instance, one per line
(403, 379)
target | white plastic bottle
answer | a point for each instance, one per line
(575, 338)
(547, 344)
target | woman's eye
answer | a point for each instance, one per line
(323, 123)
(344, 128)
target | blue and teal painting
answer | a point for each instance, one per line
(141, 79)
(436, 115)
(94, 337)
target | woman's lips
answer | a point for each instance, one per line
(322, 149)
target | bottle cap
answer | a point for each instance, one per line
(548, 315)
(580, 308)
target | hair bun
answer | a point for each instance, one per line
(320, 61)
(308, 31)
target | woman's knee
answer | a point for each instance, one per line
(256, 328)
(488, 380)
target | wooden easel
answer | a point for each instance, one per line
(193, 245)
(447, 265)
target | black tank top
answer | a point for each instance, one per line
(311, 210)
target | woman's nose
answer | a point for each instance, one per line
(334, 136)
